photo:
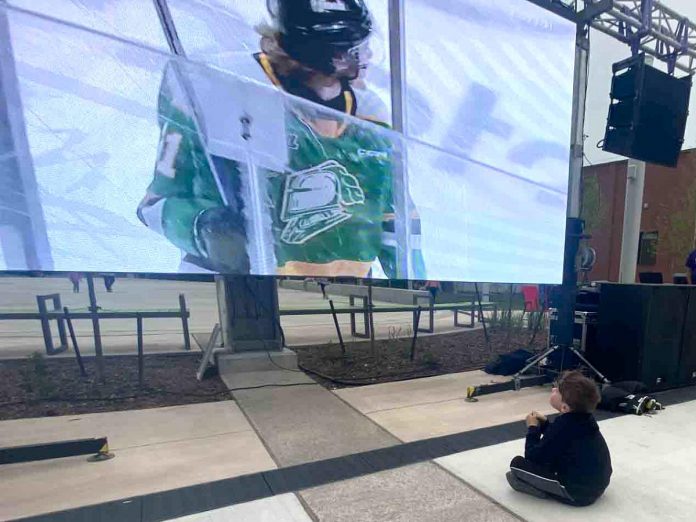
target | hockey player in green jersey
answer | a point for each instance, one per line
(332, 210)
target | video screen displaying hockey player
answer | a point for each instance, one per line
(332, 209)
(119, 140)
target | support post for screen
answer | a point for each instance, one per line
(577, 152)
(249, 313)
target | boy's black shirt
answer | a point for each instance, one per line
(572, 447)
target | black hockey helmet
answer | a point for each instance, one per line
(316, 32)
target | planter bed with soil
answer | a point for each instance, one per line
(39, 386)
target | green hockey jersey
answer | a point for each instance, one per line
(333, 203)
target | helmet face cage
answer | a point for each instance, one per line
(352, 62)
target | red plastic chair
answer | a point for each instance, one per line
(531, 298)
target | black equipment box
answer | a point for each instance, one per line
(646, 333)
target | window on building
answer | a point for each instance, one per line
(647, 249)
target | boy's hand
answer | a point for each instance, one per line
(531, 420)
(541, 418)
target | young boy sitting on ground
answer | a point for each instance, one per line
(568, 459)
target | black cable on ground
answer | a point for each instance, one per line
(407, 376)
(243, 388)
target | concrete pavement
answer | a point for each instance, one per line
(654, 461)
(334, 456)
(307, 424)
(283, 508)
(156, 450)
(416, 493)
(436, 406)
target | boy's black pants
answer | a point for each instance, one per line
(527, 477)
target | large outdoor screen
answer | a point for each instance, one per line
(241, 158)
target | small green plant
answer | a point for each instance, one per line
(394, 333)
(430, 360)
(36, 378)
(494, 321)
(515, 320)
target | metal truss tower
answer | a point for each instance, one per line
(646, 26)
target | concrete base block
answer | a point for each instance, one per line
(251, 369)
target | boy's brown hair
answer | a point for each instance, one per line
(579, 393)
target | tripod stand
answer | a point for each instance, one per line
(561, 329)
(539, 358)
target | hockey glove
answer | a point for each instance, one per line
(221, 239)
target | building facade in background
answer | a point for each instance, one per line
(668, 223)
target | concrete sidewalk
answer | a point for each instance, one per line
(309, 423)
(654, 458)
(283, 508)
(654, 461)
(156, 450)
(321, 459)
(436, 406)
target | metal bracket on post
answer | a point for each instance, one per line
(472, 318)
(431, 314)
(366, 317)
(46, 323)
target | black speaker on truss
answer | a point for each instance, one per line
(648, 113)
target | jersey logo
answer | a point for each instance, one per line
(322, 6)
(315, 201)
(293, 142)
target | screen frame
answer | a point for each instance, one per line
(554, 6)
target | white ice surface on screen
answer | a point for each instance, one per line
(90, 112)
(494, 83)
(129, 19)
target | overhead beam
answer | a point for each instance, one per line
(646, 26)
